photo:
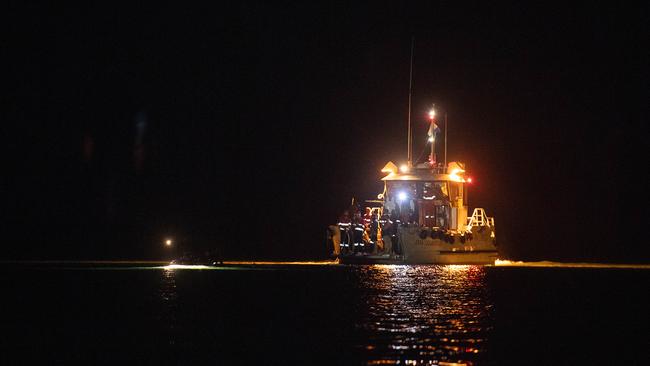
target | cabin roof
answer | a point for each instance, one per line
(424, 173)
(417, 175)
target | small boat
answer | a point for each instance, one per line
(192, 259)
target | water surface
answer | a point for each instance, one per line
(288, 313)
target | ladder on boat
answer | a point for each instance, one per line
(479, 218)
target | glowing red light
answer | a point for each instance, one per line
(469, 180)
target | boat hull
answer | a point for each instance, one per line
(369, 259)
(414, 247)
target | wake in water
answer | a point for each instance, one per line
(547, 264)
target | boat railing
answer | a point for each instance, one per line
(479, 218)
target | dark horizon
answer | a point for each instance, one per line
(250, 127)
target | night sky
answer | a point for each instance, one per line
(250, 127)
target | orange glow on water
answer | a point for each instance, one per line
(281, 263)
(548, 264)
(186, 266)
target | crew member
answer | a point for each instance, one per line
(367, 217)
(345, 228)
(374, 230)
(395, 224)
(358, 229)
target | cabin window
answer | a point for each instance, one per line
(432, 190)
(397, 206)
(409, 188)
(464, 195)
(441, 216)
(454, 191)
(427, 190)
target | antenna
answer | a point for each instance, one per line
(446, 124)
(409, 142)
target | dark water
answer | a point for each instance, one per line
(323, 314)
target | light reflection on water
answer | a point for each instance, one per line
(168, 297)
(168, 287)
(424, 314)
(96, 312)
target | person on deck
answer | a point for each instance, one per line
(385, 227)
(373, 233)
(395, 224)
(367, 217)
(358, 229)
(345, 227)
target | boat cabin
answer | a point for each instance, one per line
(426, 195)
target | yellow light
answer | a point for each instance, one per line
(389, 168)
(454, 175)
(168, 242)
(430, 139)
(404, 168)
(432, 114)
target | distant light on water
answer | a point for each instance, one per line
(187, 266)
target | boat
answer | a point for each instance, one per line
(421, 217)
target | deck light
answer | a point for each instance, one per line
(454, 175)
(431, 139)
(168, 242)
(432, 114)
(389, 168)
(402, 196)
(404, 168)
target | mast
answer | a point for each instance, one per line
(409, 142)
(446, 124)
(433, 145)
(433, 128)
